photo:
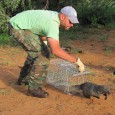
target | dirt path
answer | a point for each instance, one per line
(98, 55)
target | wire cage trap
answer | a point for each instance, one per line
(63, 74)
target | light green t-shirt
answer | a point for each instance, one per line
(41, 22)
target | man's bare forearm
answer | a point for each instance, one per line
(64, 55)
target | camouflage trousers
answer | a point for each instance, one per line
(34, 70)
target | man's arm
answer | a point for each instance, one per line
(44, 38)
(56, 50)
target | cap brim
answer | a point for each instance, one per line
(74, 20)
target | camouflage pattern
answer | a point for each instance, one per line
(25, 71)
(35, 67)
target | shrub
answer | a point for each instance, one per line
(92, 12)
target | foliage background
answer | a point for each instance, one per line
(90, 12)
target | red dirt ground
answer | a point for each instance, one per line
(98, 55)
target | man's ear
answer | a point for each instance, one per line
(62, 16)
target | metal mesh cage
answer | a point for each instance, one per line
(63, 74)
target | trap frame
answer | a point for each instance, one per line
(63, 74)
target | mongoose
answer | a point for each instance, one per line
(90, 89)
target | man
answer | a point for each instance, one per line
(30, 28)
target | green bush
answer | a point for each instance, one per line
(9, 8)
(5, 39)
(92, 12)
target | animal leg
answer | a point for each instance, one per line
(86, 95)
(96, 95)
(105, 96)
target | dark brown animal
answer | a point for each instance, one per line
(90, 89)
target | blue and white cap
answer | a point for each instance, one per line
(71, 13)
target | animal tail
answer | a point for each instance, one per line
(75, 89)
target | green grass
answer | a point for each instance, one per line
(111, 25)
(104, 38)
(82, 34)
(4, 91)
(5, 39)
(76, 33)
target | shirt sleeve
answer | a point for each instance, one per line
(53, 30)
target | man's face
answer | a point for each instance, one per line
(66, 23)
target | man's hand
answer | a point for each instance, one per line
(80, 65)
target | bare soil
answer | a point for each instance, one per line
(99, 55)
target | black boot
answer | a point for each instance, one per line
(38, 93)
(25, 71)
(22, 82)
